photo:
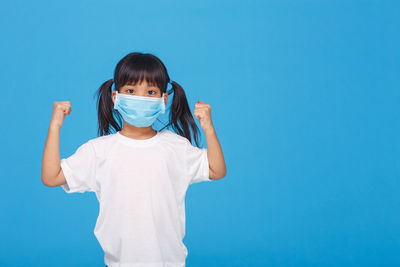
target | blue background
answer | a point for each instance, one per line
(305, 102)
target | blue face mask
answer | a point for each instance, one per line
(140, 111)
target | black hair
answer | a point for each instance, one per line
(134, 68)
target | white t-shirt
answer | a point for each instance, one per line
(141, 187)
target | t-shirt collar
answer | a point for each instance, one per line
(137, 142)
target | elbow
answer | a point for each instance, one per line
(44, 178)
(48, 181)
(45, 181)
(219, 176)
(223, 174)
(51, 179)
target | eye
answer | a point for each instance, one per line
(129, 90)
(153, 91)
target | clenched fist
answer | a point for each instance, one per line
(60, 110)
(202, 111)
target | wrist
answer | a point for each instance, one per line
(54, 127)
(209, 131)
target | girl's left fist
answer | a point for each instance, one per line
(202, 111)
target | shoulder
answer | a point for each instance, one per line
(102, 139)
(102, 143)
(172, 138)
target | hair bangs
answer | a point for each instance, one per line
(139, 68)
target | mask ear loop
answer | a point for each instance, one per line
(116, 101)
(116, 94)
(162, 104)
(170, 91)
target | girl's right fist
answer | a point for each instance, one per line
(60, 110)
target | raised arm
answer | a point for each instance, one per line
(215, 156)
(52, 174)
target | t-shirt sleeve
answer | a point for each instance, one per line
(196, 164)
(80, 170)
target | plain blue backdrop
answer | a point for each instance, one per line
(305, 101)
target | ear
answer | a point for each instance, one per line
(165, 98)
(114, 92)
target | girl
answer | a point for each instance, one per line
(140, 175)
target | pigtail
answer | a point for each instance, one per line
(105, 110)
(180, 116)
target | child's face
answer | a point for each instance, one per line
(143, 89)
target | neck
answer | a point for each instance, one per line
(138, 132)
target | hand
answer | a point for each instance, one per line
(60, 110)
(202, 111)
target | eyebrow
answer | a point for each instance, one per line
(150, 86)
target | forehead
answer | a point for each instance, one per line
(144, 84)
